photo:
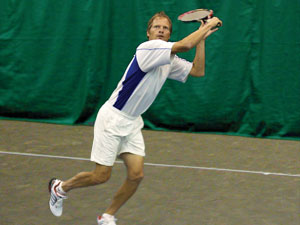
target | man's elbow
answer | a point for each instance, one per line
(200, 74)
(186, 47)
(181, 47)
(197, 73)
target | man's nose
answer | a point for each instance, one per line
(161, 30)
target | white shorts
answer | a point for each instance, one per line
(116, 133)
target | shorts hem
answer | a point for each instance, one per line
(101, 163)
(132, 152)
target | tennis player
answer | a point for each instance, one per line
(117, 130)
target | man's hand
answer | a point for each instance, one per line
(196, 37)
(213, 23)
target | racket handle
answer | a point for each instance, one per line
(218, 25)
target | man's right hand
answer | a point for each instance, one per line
(214, 22)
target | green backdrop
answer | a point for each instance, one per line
(60, 61)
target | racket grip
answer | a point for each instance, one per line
(218, 25)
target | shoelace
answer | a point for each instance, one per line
(57, 199)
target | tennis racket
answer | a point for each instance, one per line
(196, 16)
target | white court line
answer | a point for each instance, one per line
(157, 165)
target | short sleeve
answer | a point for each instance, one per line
(180, 69)
(154, 53)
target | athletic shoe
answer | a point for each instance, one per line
(56, 199)
(106, 219)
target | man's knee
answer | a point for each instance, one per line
(100, 179)
(101, 175)
(135, 165)
(135, 176)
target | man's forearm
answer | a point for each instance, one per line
(198, 68)
(191, 40)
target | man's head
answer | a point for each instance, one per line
(159, 27)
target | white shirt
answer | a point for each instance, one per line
(144, 77)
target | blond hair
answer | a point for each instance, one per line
(156, 15)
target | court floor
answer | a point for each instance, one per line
(190, 179)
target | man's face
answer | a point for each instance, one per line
(160, 29)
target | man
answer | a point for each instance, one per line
(117, 130)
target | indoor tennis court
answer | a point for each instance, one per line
(190, 179)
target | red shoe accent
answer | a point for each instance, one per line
(50, 184)
(55, 188)
(56, 192)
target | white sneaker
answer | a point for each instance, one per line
(106, 219)
(56, 199)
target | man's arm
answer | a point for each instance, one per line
(198, 69)
(194, 38)
(197, 39)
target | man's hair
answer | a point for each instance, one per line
(159, 14)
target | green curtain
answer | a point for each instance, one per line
(61, 60)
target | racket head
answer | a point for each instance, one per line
(195, 15)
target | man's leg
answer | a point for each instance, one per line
(135, 174)
(84, 179)
(58, 188)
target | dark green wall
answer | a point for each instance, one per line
(60, 61)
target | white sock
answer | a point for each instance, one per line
(60, 189)
(108, 216)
